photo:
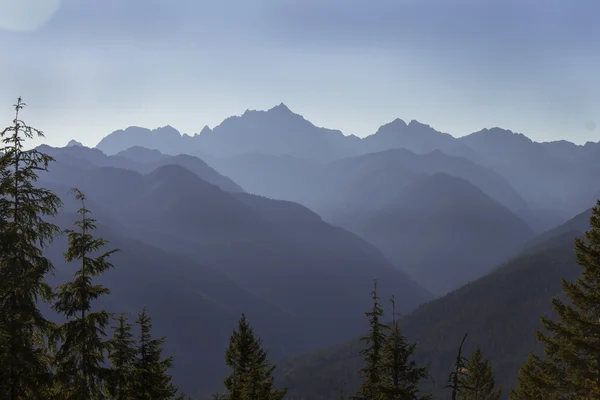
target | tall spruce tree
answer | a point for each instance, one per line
(23, 268)
(400, 374)
(80, 370)
(571, 368)
(122, 353)
(478, 380)
(150, 377)
(371, 373)
(251, 375)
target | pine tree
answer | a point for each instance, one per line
(24, 233)
(479, 379)
(150, 378)
(251, 377)
(454, 379)
(122, 353)
(375, 340)
(80, 372)
(571, 368)
(400, 374)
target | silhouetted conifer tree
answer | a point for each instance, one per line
(24, 359)
(375, 340)
(150, 378)
(571, 368)
(400, 374)
(80, 370)
(251, 377)
(122, 354)
(478, 379)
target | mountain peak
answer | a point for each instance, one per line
(167, 129)
(73, 143)
(414, 123)
(281, 108)
(205, 130)
(398, 122)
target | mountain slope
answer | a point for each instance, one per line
(499, 312)
(352, 183)
(275, 250)
(444, 231)
(176, 289)
(551, 176)
(486, 179)
(137, 159)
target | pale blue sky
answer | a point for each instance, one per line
(91, 67)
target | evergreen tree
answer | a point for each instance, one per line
(122, 354)
(400, 374)
(531, 383)
(478, 379)
(24, 233)
(375, 340)
(571, 368)
(251, 377)
(79, 361)
(455, 381)
(150, 378)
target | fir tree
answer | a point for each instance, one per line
(79, 361)
(122, 354)
(478, 379)
(400, 374)
(455, 382)
(251, 377)
(571, 368)
(150, 378)
(24, 233)
(375, 340)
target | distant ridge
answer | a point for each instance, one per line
(556, 179)
(414, 135)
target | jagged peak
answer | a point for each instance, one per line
(281, 108)
(73, 143)
(205, 130)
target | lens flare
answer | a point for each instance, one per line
(26, 15)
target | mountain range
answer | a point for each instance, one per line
(222, 245)
(547, 175)
(271, 214)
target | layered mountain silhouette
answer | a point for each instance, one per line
(444, 231)
(376, 196)
(277, 131)
(178, 229)
(137, 159)
(499, 312)
(297, 220)
(556, 179)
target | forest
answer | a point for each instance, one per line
(84, 352)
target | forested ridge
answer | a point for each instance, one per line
(96, 354)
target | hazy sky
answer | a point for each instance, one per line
(88, 67)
